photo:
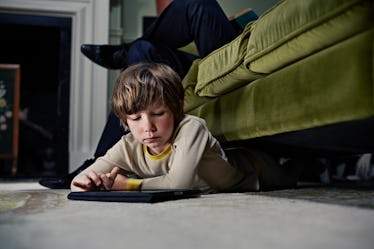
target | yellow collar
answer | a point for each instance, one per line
(159, 156)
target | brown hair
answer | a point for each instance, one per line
(144, 84)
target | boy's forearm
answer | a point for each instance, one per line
(119, 182)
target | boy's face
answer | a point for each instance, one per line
(153, 127)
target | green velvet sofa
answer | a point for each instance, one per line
(299, 79)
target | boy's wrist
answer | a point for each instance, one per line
(133, 184)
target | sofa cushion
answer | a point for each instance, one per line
(292, 30)
(221, 71)
(191, 100)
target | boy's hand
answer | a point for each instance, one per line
(95, 181)
(107, 179)
(89, 181)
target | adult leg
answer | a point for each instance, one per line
(202, 21)
(146, 51)
(182, 22)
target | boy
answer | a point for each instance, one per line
(167, 149)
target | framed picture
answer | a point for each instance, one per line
(9, 110)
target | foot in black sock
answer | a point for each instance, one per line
(108, 56)
(64, 182)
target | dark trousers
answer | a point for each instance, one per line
(182, 22)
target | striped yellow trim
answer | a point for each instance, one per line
(159, 156)
(133, 184)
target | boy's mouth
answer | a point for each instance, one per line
(150, 139)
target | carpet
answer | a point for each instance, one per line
(339, 194)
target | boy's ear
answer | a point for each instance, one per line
(124, 125)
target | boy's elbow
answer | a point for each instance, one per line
(180, 185)
(165, 184)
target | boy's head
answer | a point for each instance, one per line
(144, 84)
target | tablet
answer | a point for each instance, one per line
(150, 196)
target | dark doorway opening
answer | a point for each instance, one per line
(41, 45)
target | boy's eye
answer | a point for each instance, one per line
(134, 118)
(158, 113)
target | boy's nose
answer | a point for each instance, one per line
(148, 125)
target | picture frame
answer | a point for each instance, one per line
(10, 75)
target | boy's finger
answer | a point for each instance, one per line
(94, 178)
(80, 185)
(115, 171)
(107, 182)
(84, 183)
